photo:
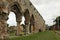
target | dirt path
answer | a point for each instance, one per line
(58, 32)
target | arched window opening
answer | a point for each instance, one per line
(11, 23)
(17, 10)
(27, 20)
(32, 24)
(12, 19)
(27, 16)
(15, 7)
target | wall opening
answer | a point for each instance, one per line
(15, 8)
(32, 24)
(27, 20)
(27, 16)
(12, 19)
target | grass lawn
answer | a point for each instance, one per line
(47, 35)
(11, 34)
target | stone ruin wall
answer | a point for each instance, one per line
(25, 5)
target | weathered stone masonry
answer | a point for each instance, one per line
(33, 20)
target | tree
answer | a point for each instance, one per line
(57, 20)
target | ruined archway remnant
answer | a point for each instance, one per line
(15, 7)
(27, 20)
(24, 7)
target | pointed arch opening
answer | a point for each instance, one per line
(15, 7)
(32, 24)
(27, 20)
(12, 19)
(27, 16)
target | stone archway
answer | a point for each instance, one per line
(15, 7)
(32, 24)
(27, 20)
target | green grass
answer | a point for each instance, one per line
(47, 35)
(11, 34)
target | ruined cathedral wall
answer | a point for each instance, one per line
(26, 4)
(22, 5)
(39, 21)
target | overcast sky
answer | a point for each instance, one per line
(49, 9)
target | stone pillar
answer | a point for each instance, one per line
(3, 19)
(3, 30)
(27, 28)
(32, 29)
(18, 28)
(3, 26)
